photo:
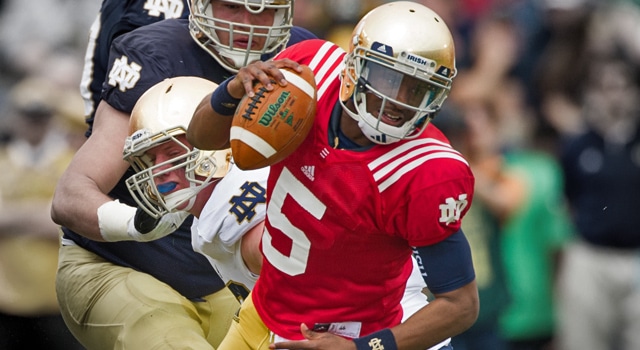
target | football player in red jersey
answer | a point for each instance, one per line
(373, 183)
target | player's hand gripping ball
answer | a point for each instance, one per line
(270, 126)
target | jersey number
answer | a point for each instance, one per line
(296, 262)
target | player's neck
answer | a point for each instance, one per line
(201, 200)
(350, 129)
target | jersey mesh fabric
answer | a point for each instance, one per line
(340, 223)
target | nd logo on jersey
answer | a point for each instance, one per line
(170, 8)
(450, 211)
(124, 74)
(244, 205)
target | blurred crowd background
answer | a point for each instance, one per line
(545, 107)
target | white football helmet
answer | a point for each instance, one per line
(401, 53)
(162, 114)
(205, 25)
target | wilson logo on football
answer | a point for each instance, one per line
(281, 109)
(272, 124)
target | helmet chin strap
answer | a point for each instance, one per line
(186, 195)
(374, 134)
(238, 59)
(177, 198)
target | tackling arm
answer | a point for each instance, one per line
(93, 172)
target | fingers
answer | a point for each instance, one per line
(267, 73)
(314, 340)
(301, 344)
(306, 332)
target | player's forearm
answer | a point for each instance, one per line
(94, 171)
(75, 207)
(446, 316)
(78, 195)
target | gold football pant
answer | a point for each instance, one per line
(247, 331)
(107, 306)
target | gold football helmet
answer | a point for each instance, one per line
(161, 115)
(402, 54)
(205, 27)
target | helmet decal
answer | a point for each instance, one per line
(382, 48)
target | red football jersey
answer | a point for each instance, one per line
(341, 223)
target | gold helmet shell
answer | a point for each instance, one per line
(407, 39)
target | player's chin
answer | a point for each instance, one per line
(182, 207)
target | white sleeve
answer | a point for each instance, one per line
(237, 204)
(414, 299)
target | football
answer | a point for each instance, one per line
(269, 126)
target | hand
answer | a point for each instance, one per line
(317, 341)
(265, 72)
(144, 228)
(120, 222)
(143, 222)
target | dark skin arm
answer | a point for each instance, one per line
(209, 130)
(449, 314)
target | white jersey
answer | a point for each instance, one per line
(236, 205)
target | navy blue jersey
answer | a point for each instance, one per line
(602, 181)
(137, 61)
(115, 18)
